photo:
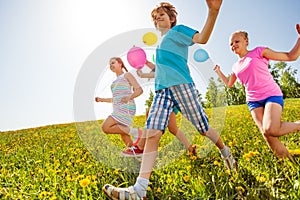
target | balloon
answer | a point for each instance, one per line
(136, 57)
(150, 38)
(200, 55)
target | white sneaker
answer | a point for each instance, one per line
(229, 162)
(124, 193)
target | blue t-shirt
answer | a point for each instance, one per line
(171, 58)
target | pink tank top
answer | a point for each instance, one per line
(252, 70)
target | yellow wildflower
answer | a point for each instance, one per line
(94, 177)
(43, 194)
(261, 179)
(38, 161)
(228, 172)
(253, 153)
(217, 163)
(186, 178)
(68, 178)
(249, 155)
(116, 171)
(84, 182)
(193, 157)
(295, 152)
(169, 180)
(246, 156)
(240, 189)
(80, 176)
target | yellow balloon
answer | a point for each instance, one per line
(150, 38)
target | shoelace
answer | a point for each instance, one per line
(132, 148)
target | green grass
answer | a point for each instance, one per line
(74, 161)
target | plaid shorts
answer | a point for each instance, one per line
(185, 98)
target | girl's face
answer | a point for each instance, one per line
(114, 65)
(162, 20)
(238, 43)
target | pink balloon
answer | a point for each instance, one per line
(136, 57)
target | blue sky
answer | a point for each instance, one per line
(44, 44)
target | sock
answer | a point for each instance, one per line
(225, 151)
(134, 132)
(141, 186)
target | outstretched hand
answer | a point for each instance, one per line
(139, 73)
(216, 68)
(214, 4)
(98, 99)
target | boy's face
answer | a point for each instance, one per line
(162, 20)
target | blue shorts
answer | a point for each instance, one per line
(262, 103)
(184, 97)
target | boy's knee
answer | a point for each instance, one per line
(204, 134)
(212, 135)
(173, 130)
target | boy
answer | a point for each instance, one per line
(173, 87)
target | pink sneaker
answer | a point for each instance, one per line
(137, 139)
(133, 151)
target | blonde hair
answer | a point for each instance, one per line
(168, 8)
(119, 60)
(243, 33)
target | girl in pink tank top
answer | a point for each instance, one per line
(263, 95)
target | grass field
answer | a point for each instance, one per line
(74, 161)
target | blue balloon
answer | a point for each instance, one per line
(200, 55)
